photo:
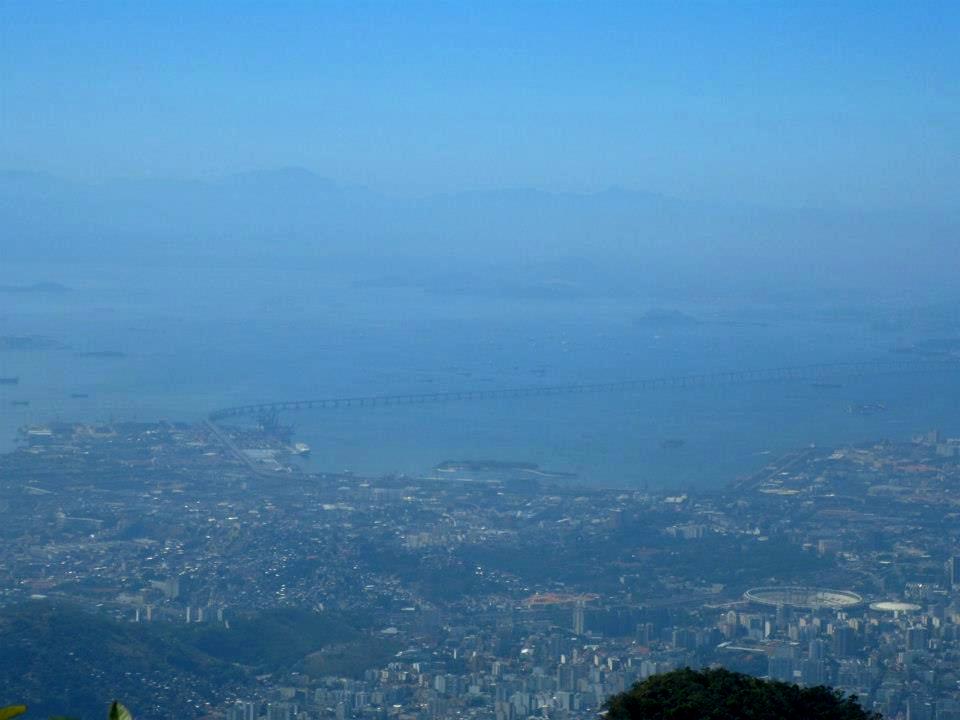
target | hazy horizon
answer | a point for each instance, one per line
(776, 105)
(429, 360)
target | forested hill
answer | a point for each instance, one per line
(62, 660)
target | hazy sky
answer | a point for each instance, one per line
(847, 103)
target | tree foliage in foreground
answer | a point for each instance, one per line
(117, 712)
(719, 694)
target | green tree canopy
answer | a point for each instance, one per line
(719, 694)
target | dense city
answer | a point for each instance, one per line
(482, 590)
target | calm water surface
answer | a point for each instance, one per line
(198, 340)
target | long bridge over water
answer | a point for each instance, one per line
(807, 373)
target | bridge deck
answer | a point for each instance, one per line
(799, 372)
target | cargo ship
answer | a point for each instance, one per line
(9, 380)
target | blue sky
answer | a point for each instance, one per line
(852, 104)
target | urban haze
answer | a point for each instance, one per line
(420, 361)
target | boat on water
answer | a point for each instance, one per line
(301, 449)
(9, 380)
(672, 443)
(20, 403)
(866, 408)
(78, 395)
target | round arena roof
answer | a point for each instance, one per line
(805, 598)
(891, 606)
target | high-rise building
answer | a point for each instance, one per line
(645, 633)
(578, 618)
(844, 641)
(953, 571)
(917, 638)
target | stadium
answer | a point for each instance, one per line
(804, 598)
(894, 607)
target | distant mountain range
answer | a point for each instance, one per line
(292, 215)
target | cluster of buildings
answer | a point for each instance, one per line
(495, 592)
